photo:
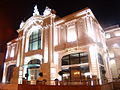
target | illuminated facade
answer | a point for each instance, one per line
(113, 43)
(74, 44)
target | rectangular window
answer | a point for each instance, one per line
(65, 60)
(84, 59)
(74, 59)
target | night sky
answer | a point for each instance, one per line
(12, 12)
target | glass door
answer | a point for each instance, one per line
(33, 73)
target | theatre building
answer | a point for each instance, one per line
(74, 44)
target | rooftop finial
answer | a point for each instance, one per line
(47, 11)
(22, 24)
(35, 12)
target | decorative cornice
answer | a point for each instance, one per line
(70, 23)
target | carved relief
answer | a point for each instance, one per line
(81, 25)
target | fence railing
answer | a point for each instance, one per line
(91, 82)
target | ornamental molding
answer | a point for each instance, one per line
(10, 63)
(60, 27)
(71, 23)
(73, 50)
(32, 21)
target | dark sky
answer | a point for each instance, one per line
(12, 12)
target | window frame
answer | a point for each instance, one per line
(35, 38)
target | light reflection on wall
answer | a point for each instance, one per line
(91, 32)
(93, 55)
(12, 52)
(4, 74)
(55, 37)
(87, 73)
(71, 34)
(53, 73)
(18, 60)
(56, 57)
(46, 55)
(117, 33)
(113, 68)
(7, 53)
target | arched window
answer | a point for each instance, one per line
(35, 40)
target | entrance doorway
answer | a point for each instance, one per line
(33, 70)
(33, 73)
